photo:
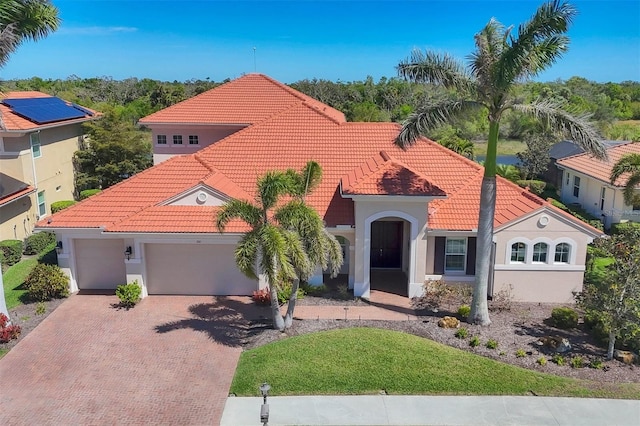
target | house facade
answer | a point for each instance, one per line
(38, 138)
(586, 182)
(413, 211)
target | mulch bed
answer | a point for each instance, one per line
(26, 317)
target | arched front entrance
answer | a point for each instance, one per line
(389, 255)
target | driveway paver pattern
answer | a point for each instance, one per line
(169, 360)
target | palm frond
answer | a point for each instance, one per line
(274, 256)
(538, 44)
(334, 252)
(246, 254)
(238, 209)
(629, 163)
(272, 186)
(630, 195)
(489, 46)
(578, 128)
(430, 117)
(297, 255)
(432, 67)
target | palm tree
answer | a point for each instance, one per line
(500, 61)
(508, 171)
(286, 241)
(22, 20)
(629, 163)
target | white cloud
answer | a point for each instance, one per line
(96, 31)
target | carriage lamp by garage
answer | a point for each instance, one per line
(128, 252)
(59, 247)
(264, 410)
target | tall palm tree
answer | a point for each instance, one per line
(22, 20)
(287, 240)
(629, 163)
(501, 60)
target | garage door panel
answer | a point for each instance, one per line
(99, 264)
(195, 269)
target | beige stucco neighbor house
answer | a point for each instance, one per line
(38, 136)
(585, 182)
(411, 211)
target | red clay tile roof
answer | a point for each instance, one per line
(246, 100)
(590, 166)
(383, 175)
(15, 122)
(18, 194)
(289, 139)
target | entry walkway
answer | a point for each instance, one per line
(432, 410)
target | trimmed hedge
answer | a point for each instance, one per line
(61, 205)
(12, 251)
(580, 213)
(619, 228)
(565, 318)
(37, 242)
(536, 186)
(88, 193)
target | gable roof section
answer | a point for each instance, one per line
(246, 100)
(383, 175)
(15, 122)
(601, 170)
(347, 152)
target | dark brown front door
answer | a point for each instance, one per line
(386, 244)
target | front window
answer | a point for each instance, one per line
(576, 186)
(42, 208)
(562, 253)
(161, 139)
(455, 254)
(540, 252)
(193, 139)
(518, 252)
(603, 192)
(35, 145)
(177, 139)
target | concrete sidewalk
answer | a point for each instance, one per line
(432, 410)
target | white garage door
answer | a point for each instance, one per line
(195, 269)
(100, 264)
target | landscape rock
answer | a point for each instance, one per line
(449, 322)
(557, 343)
(627, 357)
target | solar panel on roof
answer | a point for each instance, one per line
(44, 110)
(83, 109)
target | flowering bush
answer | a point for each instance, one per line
(8, 332)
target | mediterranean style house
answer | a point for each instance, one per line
(586, 182)
(38, 135)
(413, 211)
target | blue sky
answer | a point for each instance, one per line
(294, 40)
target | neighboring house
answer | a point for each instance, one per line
(586, 183)
(414, 211)
(564, 149)
(38, 136)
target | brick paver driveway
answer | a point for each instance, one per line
(170, 360)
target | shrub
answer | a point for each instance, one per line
(535, 186)
(7, 331)
(558, 359)
(262, 297)
(129, 294)
(520, 353)
(41, 308)
(474, 342)
(37, 242)
(565, 318)
(464, 311)
(621, 228)
(577, 362)
(46, 282)
(462, 333)
(596, 363)
(12, 251)
(284, 292)
(502, 300)
(61, 205)
(492, 344)
(88, 193)
(542, 361)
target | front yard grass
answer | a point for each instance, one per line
(13, 278)
(360, 361)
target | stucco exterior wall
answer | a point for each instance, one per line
(541, 286)
(207, 135)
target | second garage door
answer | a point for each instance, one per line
(195, 269)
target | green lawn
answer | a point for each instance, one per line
(366, 360)
(3, 352)
(505, 147)
(14, 277)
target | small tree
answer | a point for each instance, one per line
(534, 161)
(616, 294)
